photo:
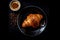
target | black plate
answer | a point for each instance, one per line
(23, 14)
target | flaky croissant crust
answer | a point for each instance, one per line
(32, 20)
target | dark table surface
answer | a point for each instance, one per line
(15, 34)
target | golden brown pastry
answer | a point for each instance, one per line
(32, 20)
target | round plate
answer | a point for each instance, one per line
(23, 14)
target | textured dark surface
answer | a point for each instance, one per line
(14, 32)
(52, 26)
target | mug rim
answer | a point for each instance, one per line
(16, 9)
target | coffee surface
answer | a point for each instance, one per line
(14, 5)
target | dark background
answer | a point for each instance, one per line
(15, 34)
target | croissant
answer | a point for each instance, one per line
(32, 20)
